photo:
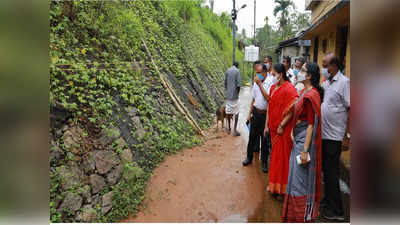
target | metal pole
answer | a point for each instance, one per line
(252, 75)
(234, 44)
(254, 18)
(244, 68)
(234, 33)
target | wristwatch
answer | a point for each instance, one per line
(348, 135)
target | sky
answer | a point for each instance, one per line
(245, 17)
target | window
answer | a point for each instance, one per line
(324, 45)
(316, 45)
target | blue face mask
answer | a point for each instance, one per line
(295, 71)
(260, 76)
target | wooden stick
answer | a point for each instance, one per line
(179, 105)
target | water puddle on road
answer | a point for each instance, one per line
(236, 218)
(267, 211)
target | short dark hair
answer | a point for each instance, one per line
(264, 67)
(257, 62)
(236, 64)
(287, 58)
(336, 61)
(268, 57)
(301, 59)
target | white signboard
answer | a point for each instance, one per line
(251, 53)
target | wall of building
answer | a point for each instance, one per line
(330, 37)
(291, 51)
(331, 30)
(347, 72)
(322, 8)
(331, 46)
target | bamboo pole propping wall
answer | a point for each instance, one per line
(178, 103)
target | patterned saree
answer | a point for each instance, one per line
(303, 192)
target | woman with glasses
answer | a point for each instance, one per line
(303, 193)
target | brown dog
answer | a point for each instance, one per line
(221, 115)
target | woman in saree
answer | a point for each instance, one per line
(283, 96)
(303, 194)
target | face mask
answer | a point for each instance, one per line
(260, 76)
(301, 77)
(325, 73)
(295, 72)
(267, 65)
(275, 79)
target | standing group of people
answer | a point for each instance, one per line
(302, 128)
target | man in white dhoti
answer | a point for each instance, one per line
(232, 88)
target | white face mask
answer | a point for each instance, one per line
(301, 77)
(325, 73)
(275, 79)
(267, 65)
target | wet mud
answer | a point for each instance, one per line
(209, 184)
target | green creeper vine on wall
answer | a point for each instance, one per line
(101, 78)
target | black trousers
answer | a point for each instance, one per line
(332, 200)
(257, 146)
(257, 124)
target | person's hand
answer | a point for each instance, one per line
(303, 157)
(345, 143)
(280, 130)
(266, 130)
(249, 117)
(291, 135)
(257, 80)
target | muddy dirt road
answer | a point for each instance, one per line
(209, 184)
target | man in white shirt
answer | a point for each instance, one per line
(257, 115)
(267, 68)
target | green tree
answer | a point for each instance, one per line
(282, 8)
(300, 21)
(296, 23)
(269, 37)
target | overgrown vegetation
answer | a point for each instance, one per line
(290, 22)
(101, 78)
